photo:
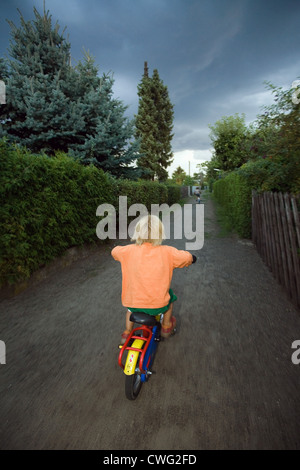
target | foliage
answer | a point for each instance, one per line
(154, 124)
(53, 106)
(234, 194)
(173, 190)
(233, 191)
(142, 192)
(228, 136)
(272, 144)
(190, 180)
(179, 175)
(276, 138)
(48, 204)
(265, 174)
(106, 135)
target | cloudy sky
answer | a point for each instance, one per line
(213, 55)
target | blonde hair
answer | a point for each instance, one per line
(149, 229)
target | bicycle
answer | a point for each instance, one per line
(141, 345)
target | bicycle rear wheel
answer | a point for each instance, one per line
(133, 385)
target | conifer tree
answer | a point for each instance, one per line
(154, 124)
(53, 106)
(107, 132)
(40, 113)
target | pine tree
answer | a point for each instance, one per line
(3, 69)
(40, 113)
(3, 79)
(107, 130)
(154, 124)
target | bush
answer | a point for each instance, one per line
(269, 175)
(47, 205)
(174, 193)
(234, 194)
(234, 191)
(142, 192)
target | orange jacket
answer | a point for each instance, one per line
(147, 272)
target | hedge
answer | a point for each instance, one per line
(234, 194)
(142, 192)
(49, 204)
(234, 191)
(174, 193)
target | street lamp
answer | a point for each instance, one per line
(217, 169)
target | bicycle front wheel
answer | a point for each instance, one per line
(133, 385)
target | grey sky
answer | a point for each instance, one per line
(213, 55)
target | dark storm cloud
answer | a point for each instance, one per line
(213, 55)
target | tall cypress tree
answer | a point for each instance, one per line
(154, 124)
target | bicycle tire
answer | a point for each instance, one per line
(133, 385)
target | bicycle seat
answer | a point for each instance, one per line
(143, 318)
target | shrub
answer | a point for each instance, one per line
(173, 192)
(142, 192)
(264, 174)
(47, 205)
(234, 194)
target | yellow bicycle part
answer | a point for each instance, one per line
(132, 357)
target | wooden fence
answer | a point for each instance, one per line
(276, 234)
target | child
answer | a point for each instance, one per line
(198, 195)
(147, 269)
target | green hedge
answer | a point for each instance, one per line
(234, 191)
(142, 192)
(174, 193)
(234, 194)
(49, 205)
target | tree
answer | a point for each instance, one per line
(53, 106)
(190, 180)
(179, 175)
(3, 69)
(154, 124)
(277, 137)
(39, 113)
(229, 136)
(210, 167)
(106, 132)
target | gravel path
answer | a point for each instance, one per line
(224, 381)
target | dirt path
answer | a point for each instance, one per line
(225, 381)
